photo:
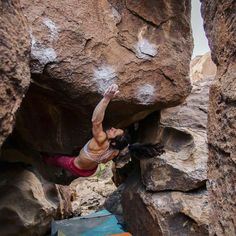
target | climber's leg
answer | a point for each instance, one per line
(67, 163)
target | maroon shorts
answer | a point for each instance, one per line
(67, 163)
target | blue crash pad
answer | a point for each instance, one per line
(101, 223)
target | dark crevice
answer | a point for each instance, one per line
(203, 110)
(191, 191)
(218, 149)
(230, 102)
(167, 77)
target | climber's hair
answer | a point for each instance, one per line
(120, 141)
(137, 150)
(147, 150)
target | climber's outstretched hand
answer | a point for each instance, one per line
(111, 91)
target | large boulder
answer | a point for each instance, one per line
(183, 167)
(164, 213)
(14, 66)
(182, 130)
(79, 48)
(28, 203)
(220, 23)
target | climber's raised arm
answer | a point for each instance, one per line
(99, 113)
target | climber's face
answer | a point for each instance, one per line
(113, 132)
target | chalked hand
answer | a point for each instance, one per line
(111, 91)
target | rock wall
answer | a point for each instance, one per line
(79, 48)
(164, 213)
(14, 66)
(220, 23)
(167, 195)
(90, 193)
(28, 203)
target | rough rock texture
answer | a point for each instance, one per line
(90, 193)
(220, 23)
(113, 202)
(164, 213)
(182, 130)
(14, 150)
(202, 67)
(79, 48)
(14, 63)
(28, 203)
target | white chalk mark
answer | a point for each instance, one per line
(146, 94)
(116, 15)
(44, 55)
(104, 77)
(145, 49)
(52, 27)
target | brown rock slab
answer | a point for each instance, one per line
(14, 66)
(79, 48)
(220, 22)
(164, 213)
(28, 203)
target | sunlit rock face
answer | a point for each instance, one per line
(28, 202)
(220, 22)
(202, 67)
(80, 48)
(90, 193)
(14, 64)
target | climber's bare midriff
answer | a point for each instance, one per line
(82, 161)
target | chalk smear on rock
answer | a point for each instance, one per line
(104, 77)
(146, 94)
(44, 55)
(52, 27)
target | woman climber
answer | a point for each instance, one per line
(104, 145)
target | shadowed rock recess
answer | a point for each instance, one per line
(220, 25)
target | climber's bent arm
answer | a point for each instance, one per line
(97, 119)
(99, 113)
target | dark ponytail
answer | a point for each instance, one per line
(145, 151)
(136, 150)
